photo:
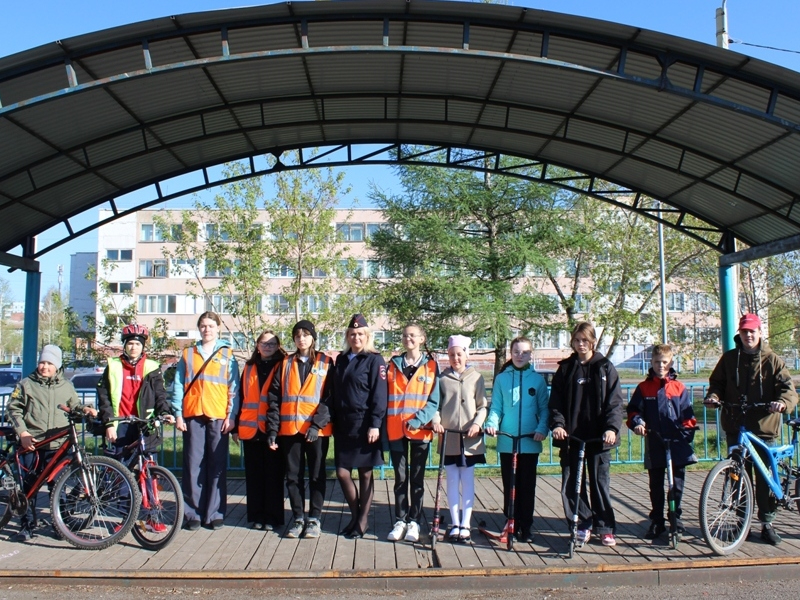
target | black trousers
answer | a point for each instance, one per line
(264, 472)
(299, 453)
(597, 515)
(524, 489)
(765, 499)
(657, 495)
(409, 472)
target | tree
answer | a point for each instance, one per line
(459, 243)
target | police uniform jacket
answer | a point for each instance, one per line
(360, 393)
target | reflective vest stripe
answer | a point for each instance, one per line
(299, 403)
(209, 394)
(115, 382)
(407, 398)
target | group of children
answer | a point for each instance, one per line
(290, 404)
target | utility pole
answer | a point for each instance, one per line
(60, 279)
(722, 25)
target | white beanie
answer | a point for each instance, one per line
(51, 354)
(459, 340)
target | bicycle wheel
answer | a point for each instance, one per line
(726, 506)
(161, 514)
(5, 508)
(94, 505)
(797, 492)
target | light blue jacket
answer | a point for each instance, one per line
(507, 413)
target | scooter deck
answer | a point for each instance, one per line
(501, 536)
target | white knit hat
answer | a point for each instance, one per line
(459, 340)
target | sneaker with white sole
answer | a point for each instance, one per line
(398, 532)
(583, 536)
(296, 530)
(312, 529)
(412, 532)
(608, 539)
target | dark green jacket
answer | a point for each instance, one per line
(33, 405)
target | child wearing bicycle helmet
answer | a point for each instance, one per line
(662, 404)
(132, 385)
(519, 407)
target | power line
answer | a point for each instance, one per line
(732, 41)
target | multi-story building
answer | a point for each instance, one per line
(132, 263)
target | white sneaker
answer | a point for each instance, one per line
(398, 532)
(412, 532)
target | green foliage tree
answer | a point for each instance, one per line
(459, 242)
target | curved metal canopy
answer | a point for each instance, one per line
(711, 133)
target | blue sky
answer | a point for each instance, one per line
(38, 22)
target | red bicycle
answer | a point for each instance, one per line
(94, 500)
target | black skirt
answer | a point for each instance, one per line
(353, 452)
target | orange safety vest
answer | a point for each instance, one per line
(299, 403)
(406, 398)
(253, 416)
(209, 394)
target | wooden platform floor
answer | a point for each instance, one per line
(237, 548)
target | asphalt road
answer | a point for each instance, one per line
(734, 590)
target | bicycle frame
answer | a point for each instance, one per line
(748, 442)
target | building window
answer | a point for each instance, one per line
(350, 232)
(383, 340)
(377, 270)
(278, 304)
(281, 271)
(705, 303)
(675, 301)
(120, 287)
(547, 338)
(158, 304)
(119, 255)
(153, 268)
(213, 232)
(214, 269)
(237, 339)
(150, 232)
(582, 304)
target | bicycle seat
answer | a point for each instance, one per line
(794, 423)
(782, 452)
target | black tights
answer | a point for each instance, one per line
(359, 500)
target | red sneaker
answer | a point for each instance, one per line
(154, 526)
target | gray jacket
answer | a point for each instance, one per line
(462, 404)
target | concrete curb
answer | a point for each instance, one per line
(722, 570)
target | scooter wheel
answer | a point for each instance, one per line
(674, 538)
(572, 548)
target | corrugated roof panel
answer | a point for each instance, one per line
(354, 108)
(18, 148)
(548, 88)
(763, 194)
(106, 64)
(76, 119)
(527, 43)
(537, 122)
(436, 134)
(421, 108)
(249, 116)
(25, 87)
(219, 120)
(437, 35)
(681, 74)
(585, 160)
(642, 65)
(172, 132)
(169, 51)
(14, 218)
(699, 166)
(56, 168)
(448, 75)
(206, 45)
(360, 33)
(157, 164)
(488, 39)
(777, 163)
(725, 178)
(766, 229)
(70, 196)
(656, 152)
(222, 148)
(14, 186)
(581, 52)
(787, 108)
(715, 205)
(742, 93)
(354, 74)
(659, 183)
(595, 134)
(254, 80)
(711, 79)
(266, 37)
(109, 150)
(166, 94)
(291, 111)
(490, 116)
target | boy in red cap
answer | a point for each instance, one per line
(752, 371)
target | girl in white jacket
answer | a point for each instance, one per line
(462, 407)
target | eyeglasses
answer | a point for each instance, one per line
(520, 353)
(268, 344)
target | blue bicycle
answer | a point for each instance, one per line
(726, 500)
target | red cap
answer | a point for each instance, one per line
(750, 321)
